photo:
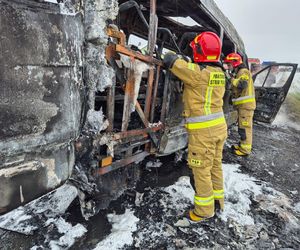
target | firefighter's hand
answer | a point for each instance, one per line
(242, 85)
(186, 58)
(169, 59)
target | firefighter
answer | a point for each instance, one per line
(244, 100)
(204, 87)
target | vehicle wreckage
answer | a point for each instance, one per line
(84, 94)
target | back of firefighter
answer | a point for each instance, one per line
(204, 87)
(244, 100)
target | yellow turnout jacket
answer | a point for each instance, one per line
(244, 99)
(203, 93)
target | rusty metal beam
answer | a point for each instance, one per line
(165, 105)
(110, 106)
(129, 87)
(154, 94)
(129, 146)
(138, 108)
(123, 50)
(149, 93)
(121, 163)
(146, 123)
(136, 132)
(112, 32)
(128, 100)
(152, 28)
(151, 47)
(119, 97)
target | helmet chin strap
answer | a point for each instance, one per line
(198, 49)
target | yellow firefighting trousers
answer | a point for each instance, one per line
(245, 129)
(205, 158)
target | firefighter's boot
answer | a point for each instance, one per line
(235, 147)
(239, 153)
(218, 207)
(194, 218)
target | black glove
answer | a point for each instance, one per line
(242, 85)
(169, 60)
(187, 59)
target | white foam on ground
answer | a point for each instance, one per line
(181, 193)
(175, 199)
(241, 188)
(51, 1)
(70, 233)
(297, 207)
(121, 234)
(17, 221)
(45, 213)
(238, 189)
(153, 164)
(26, 219)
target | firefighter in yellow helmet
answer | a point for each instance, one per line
(244, 100)
(204, 87)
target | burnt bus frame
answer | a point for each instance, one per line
(151, 134)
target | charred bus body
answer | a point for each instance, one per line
(84, 95)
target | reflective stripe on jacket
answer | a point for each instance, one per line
(203, 93)
(205, 121)
(244, 98)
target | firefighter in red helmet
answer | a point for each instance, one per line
(204, 87)
(244, 100)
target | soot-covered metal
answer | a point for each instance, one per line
(84, 92)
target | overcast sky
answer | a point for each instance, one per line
(270, 29)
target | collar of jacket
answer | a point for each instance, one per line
(241, 66)
(215, 64)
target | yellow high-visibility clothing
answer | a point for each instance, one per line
(244, 99)
(245, 102)
(203, 101)
(245, 120)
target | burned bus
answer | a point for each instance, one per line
(85, 97)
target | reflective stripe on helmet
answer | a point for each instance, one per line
(211, 57)
(219, 194)
(206, 124)
(232, 58)
(204, 201)
(244, 99)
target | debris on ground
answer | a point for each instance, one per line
(260, 213)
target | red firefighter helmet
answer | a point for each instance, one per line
(206, 47)
(234, 59)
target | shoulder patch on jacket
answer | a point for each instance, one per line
(216, 79)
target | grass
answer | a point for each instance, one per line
(292, 104)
